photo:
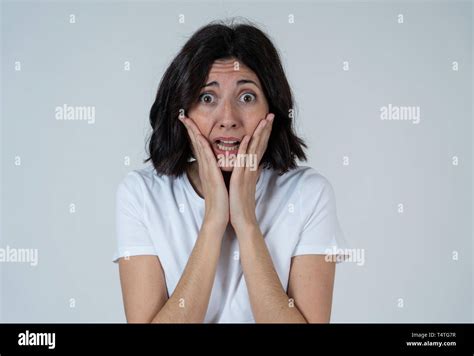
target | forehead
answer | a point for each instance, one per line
(229, 69)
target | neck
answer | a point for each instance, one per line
(226, 176)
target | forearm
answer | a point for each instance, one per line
(190, 299)
(270, 303)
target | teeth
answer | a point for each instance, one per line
(228, 142)
(226, 148)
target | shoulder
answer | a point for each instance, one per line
(313, 189)
(143, 180)
(306, 178)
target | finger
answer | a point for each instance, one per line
(242, 151)
(197, 133)
(188, 128)
(264, 127)
(192, 125)
(206, 148)
(244, 144)
(265, 136)
(256, 136)
(206, 151)
(192, 135)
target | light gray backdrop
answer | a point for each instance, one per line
(403, 189)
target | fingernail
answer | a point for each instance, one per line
(272, 116)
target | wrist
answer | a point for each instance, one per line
(247, 230)
(214, 225)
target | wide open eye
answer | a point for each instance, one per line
(248, 97)
(206, 98)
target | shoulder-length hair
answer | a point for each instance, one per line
(169, 147)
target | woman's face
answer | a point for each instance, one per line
(230, 106)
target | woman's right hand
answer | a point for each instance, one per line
(212, 182)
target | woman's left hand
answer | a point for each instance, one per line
(243, 180)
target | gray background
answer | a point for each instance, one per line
(407, 255)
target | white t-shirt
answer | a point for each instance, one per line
(162, 215)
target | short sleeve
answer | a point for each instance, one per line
(131, 232)
(321, 232)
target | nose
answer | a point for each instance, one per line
(228, 118)
(227, 124)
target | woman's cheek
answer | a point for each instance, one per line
(202, 122)
(252, 125)
(256, 114)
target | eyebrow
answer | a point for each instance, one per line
(239, 82)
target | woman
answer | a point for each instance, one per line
(220, 239)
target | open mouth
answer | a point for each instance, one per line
(227, 145)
